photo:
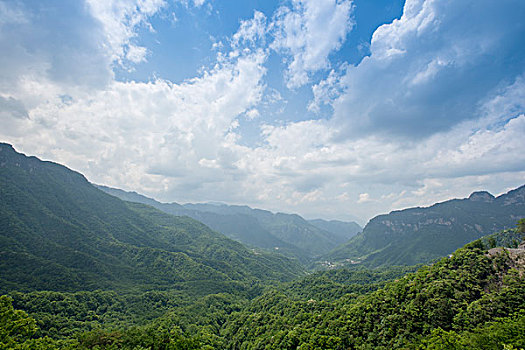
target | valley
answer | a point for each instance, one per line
(287, 234)
(90, 267)
(262, 175)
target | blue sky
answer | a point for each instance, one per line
(182, 44)
(328, 108)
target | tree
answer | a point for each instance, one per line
(15, 325)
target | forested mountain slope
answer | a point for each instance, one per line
(473, 299)
(418, 235)
(123, 275)
(289, 234)
(342, 229)
(59, 232)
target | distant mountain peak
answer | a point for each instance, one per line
(481, 196)
(418, 235)
(81, 238)
(515, 196)
(6, 150)
(217, 204)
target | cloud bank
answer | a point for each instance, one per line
(435, 111)
(433, 68)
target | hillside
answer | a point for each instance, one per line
(59, 232)
(343, 230)
(86, 270)
(418, 235)
(472, 299)
(289, 234)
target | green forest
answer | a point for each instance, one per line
(473, 299)
(262, 175)
(82, 269)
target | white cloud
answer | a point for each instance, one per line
(178, 142)
(302, 157)
(363, 197)
(181, 142)
(120, 20)
(11, 13)
(252, 114)
(432, 68)
(309, 32)
(306, 157)
(250, 31)
(40, 43)
(326, 91)
(152, 136)
(136, 54)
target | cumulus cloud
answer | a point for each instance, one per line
(136, 54)
(309, 32)
(449, 164)
(436, 111)
(252, 114)
(59, 44)
(120, 20)
(156, 136)
(326, 91)
(250, 31)
(363, 197)
(305, 158)
(432, 68)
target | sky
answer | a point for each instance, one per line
(334, 109)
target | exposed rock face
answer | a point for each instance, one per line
(481, 196)
(515, 196)
(418, 235)
(515, 256)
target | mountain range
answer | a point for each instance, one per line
(83, 269)
(59, 232)
(419, 235)
(289, 234)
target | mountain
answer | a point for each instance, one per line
(418, 235)
(59, 232)
(509, 238)
(240, 227)
(342, 230)
(472, 299)
(289, 234)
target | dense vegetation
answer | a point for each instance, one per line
(290, 235)
(419, 235)
(84, 270)
(472, 299)
(58, 232)
(457, 296)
